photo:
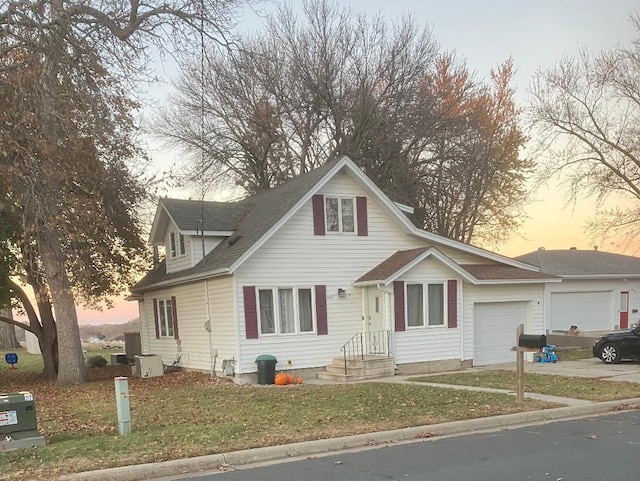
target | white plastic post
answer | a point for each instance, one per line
(122, 405)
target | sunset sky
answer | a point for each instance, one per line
(535, 35)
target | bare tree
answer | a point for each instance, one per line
(333, 82)
(586, 111)
(471, 174)
(298, 94)
(86, 56)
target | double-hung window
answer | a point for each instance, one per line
(425, 305)
(172, 244)
(175, 244)
(165, 317)
(340, 214)
(285, 310)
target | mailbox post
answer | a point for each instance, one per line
(525, 343)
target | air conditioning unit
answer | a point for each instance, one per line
(149, 365)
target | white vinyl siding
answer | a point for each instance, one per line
(193, 346)
(596, 319)
(294, 256)
(429, 343)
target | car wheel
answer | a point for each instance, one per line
(610, 354)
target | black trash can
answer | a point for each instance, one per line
(266, 369)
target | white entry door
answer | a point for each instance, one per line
(375, 337)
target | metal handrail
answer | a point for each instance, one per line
(372, 343)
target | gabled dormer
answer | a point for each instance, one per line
(188, 230)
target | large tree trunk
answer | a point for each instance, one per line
(8, 339)
(71, 369)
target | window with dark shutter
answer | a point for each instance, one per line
(452, 303)
(321, 310)
(398, 305)
(317, 202)
(250, 312)
(155, 318)
(361, 212)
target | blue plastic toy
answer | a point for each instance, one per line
(547, 354)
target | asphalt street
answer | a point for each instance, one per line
(601, 448)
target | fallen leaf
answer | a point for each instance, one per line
(337, 462)
(592, 436)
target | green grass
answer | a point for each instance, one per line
(591, 389)
(190, 414)
(573, 354)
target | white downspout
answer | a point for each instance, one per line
(213, 354)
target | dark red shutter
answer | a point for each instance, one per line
(398, 304)
(361, 212)
(318, 214)
(452, 303)
(250, 312)
(321, 310)
(155, 318)
(175, 317)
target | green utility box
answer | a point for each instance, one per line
(18, 422)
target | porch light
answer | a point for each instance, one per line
(342, 292)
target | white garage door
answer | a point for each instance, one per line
(590, 311)
(495, 326)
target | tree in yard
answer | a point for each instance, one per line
(470, 173)
(586, 111)
(298, 94)
(332, 82)
(67, 141)
(8, 339)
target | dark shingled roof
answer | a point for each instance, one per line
(252, 218)
(218, 216)
(400, 259)
(496, 272)
(391, 265)
(573, 262)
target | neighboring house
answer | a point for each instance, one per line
(599, 290)
(298, 270)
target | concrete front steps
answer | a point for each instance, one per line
(370, 367)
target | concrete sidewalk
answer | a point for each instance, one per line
(575, 408)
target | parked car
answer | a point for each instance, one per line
(616, 346)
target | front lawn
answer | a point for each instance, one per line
(189, 414)
(590, 389)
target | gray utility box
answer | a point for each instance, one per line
(18, 423)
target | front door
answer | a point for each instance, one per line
(375, 337)
(624, 310)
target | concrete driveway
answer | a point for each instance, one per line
(625, 371)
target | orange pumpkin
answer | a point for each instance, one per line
(281, 379)
(299, 381)
(290, 379)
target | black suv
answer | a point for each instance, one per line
(613, 348)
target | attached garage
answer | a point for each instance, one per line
(495, 330)
(589, 311)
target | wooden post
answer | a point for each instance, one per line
(519, 366)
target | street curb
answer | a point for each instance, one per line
(310, 448)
